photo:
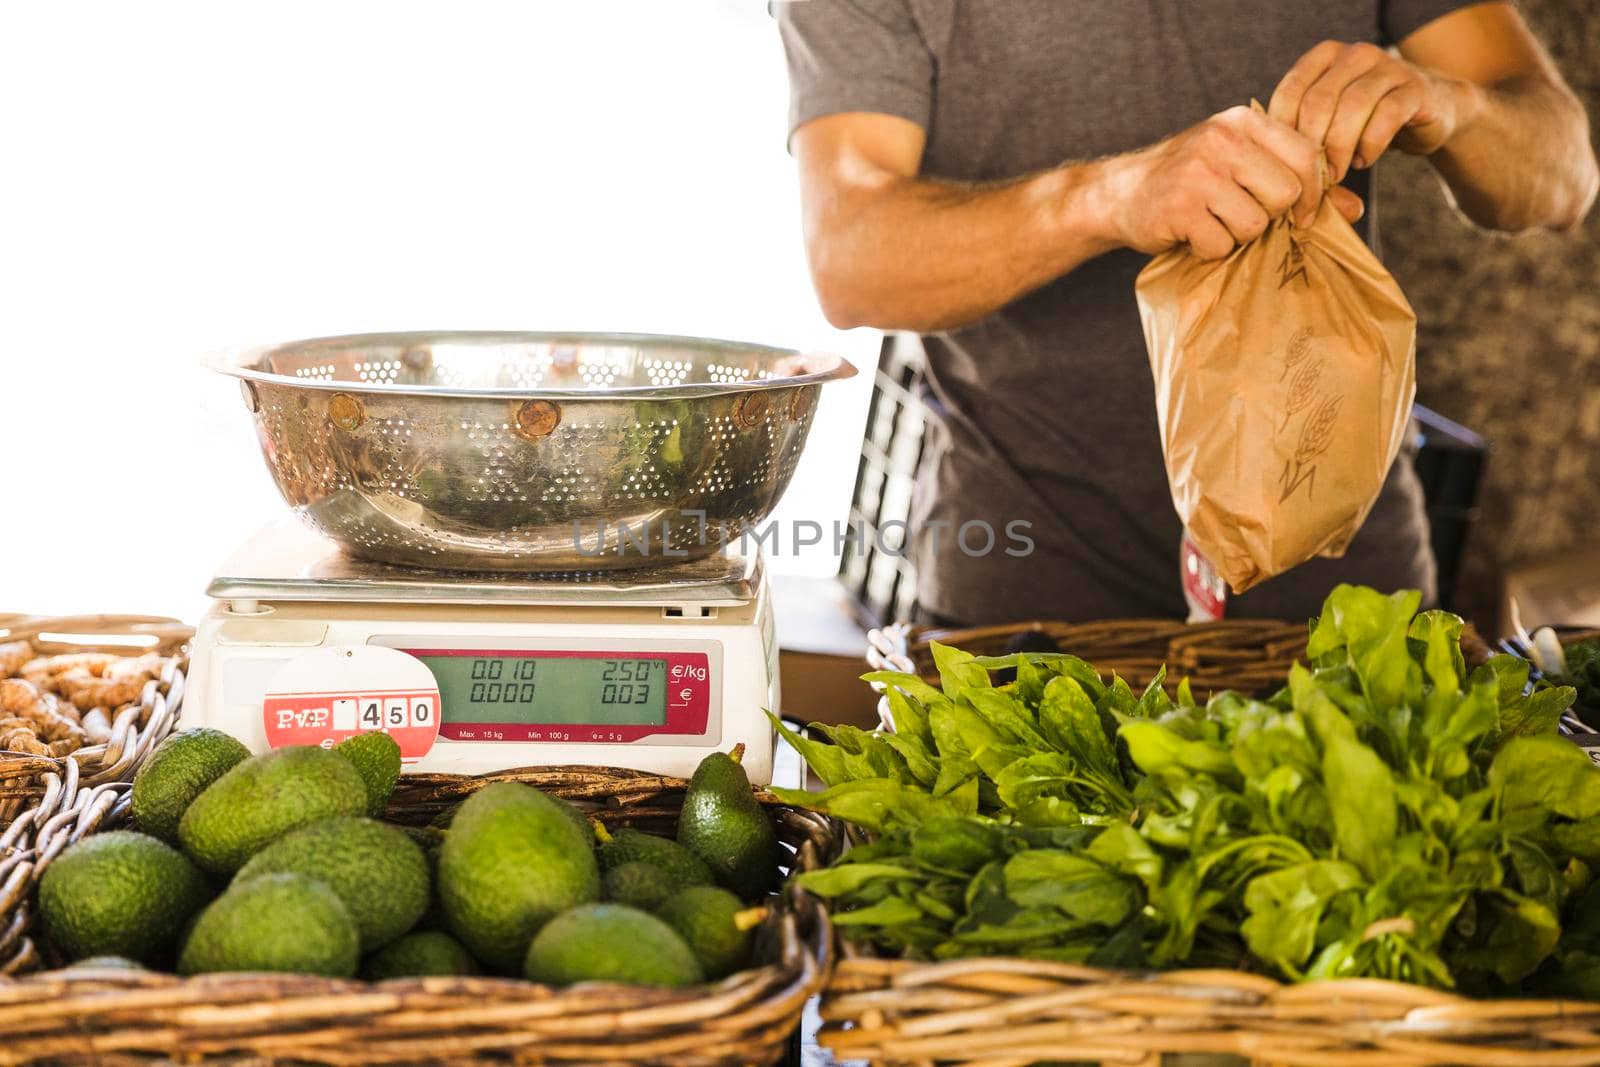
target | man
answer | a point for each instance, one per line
(994, 173)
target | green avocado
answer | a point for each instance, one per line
(179, 770)
(512, 859)
(610, 943)
(628, 845)
(120, 893)
(638, 885)
(379, 873)
(264, 798)
(376, 757)
(277, 922)
(715, 925)
(427, 952)
(723, 824)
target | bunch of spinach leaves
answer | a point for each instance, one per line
(1385, 814)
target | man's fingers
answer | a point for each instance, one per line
(1266, 177)
(1391, 115)
(1208, 238)
(1285, 104)
(1358, 106)
(1239, 211)
(1302, 158)
(1320, 102)
(1348, 203)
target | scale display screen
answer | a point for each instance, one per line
(531, 689)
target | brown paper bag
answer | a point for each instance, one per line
(1284, 378)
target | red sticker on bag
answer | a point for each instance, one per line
(1203, 589)
(326, 695)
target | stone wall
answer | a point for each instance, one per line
(1509, 339)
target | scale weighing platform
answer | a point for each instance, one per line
(649, 669)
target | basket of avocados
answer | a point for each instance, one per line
(305, 906)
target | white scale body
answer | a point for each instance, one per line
(690, 648)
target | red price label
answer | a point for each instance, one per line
(326, 696)
(411, 717)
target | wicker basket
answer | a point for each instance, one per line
(1009, 1012)
(136, 727)
(46, 801)
(102, 1017)
(1250, 655)
(997, 1012)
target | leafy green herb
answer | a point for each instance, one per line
(1386, 814)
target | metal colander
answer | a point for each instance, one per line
(531, 451)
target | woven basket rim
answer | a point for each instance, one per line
(63, 1013)
(1003, 1010)
(136, 730)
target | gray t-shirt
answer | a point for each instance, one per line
(1044, 411)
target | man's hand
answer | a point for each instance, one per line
(1357, 99)
(1217, 185)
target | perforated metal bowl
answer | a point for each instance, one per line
(529, 451)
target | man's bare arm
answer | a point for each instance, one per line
(1476, 94)
(894, 250)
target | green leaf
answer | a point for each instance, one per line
(1361, 795)
(1076, 885)
(873, 803)
(1154, 700)
(987, 900)
(826, 761)
(909, 716)
(1048, 774)
(891, 912)
(1537, 877)
(1154, 748)
(1453, 723)
(1280, 741)
(1371, 629)
(1030, 681)
(1068, 666)
(1534, 775)
(957, 671)
(1440, 633)
(1509, 673)
(1536, 714)
(955, 759)
(920, 762)
(988, 747)
(866, 754)
(1047, 811)
(1286, 906)
(1120, 848)
(848, 878)
(1006, 715)
(1521, 933)
(914, 686)
(1070, 722)
(957, 844)
(1119, 700)
(1580, 839)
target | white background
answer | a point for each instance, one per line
(177, 178)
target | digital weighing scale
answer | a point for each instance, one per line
(515, 551)
(646, 668)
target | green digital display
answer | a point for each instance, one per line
(554, 690)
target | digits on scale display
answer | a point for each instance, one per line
(513, 688)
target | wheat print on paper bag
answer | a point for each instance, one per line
(1284, 378)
